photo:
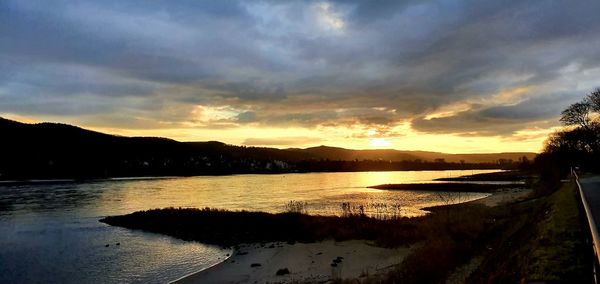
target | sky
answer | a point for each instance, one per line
(450, 75)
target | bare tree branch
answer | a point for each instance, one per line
(594, 100)
(577, 114)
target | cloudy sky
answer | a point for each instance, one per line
(452, 76)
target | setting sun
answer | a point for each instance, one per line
(379, 142)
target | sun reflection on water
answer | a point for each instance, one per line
(324, 192)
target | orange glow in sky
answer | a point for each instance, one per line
(353, 138)
(448, 76)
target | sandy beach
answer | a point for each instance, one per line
(310, 262)
(503, 195)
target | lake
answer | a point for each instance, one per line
(50, 231)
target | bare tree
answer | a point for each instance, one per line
(594, 100)
(577, 114)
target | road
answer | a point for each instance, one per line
(591, 190)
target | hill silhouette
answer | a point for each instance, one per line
(54, 150)
(336, 153)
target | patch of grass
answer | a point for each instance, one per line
(228, 228)
(558, 239)
(294, 206)
(377, 210)
(452, 238)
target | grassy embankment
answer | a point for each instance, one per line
(539, 239)
(549, 247)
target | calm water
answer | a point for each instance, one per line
(50, 232)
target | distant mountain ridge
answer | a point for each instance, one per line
(54, 150)
(327, 152)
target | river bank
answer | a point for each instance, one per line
(311, 262)
(291, 246)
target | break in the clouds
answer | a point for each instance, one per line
(476, 68)
(280, 141)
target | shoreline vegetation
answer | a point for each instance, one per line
(478, 241)
(231, 228)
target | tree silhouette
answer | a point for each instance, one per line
(594, 100)
(577, 114)
(574, 146)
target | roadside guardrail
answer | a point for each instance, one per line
(591, 226)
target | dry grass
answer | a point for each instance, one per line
(227, 228)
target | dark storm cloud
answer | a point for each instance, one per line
(306, 63)
(498, 120)
(531, 109)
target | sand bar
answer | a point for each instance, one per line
(306, 262)
(506, 195)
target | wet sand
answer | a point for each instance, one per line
(255, 263)
(501, 196)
